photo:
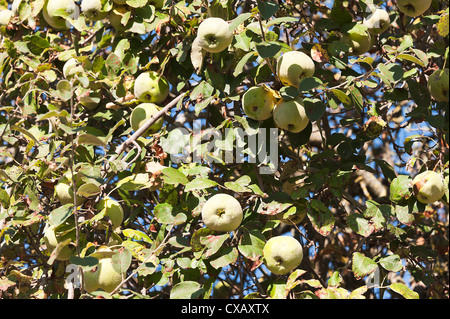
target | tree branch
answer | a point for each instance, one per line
(147, 124)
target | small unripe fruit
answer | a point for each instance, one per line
(281, 254)
(150, 87)
(51, 6)
(222, 212)
(64, 190)
(103, 276)
(290, 115)
(258, 103)
(114, 210)
(52, 239)
(414, 8)
(214, 35)
(93, 9)
(141, 114)
(5, 17)
(293, 67)
(438, 85)
(428, 187)
(378, 21)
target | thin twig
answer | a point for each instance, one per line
(149, 123)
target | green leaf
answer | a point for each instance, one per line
(410, 58)
(4, 198)
(54, 113)
(58, 250)
(335, 279)
(358, 293)
(174, 176)
(196, 240)
(404, 214)
(421, 55)
(136, 235)
(360, 225)
(135, 182)
(387, 169)
(240, 185)
(24, 132)
(357, 98)
(292, 281)
(309, 84)
(282, 20)
(37, 44)
(199, 183)
(344, 98)
(202, 105)
(165, 214)
(242, 62)
(60, 214)
(377, 214)
(113, 62)
(213, 243)
(419, 93)
(400, 189)
(90, 139)
(404, 291)
(277, 290)
(320, 216)
(121, 260)
(186, 290)
(238, 20)
(89, 189)
(252, 244)
(228, 255)
(391, 263)
(362, 265)
(340, 14)
(267, 9)
(87, 263)
(268, 49)
(387, 76)
(315, 108)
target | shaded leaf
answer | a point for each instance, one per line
(267, 9)
(268, 49)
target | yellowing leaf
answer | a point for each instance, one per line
(442, 25)
(319, 54)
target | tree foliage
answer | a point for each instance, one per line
(373, 127)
